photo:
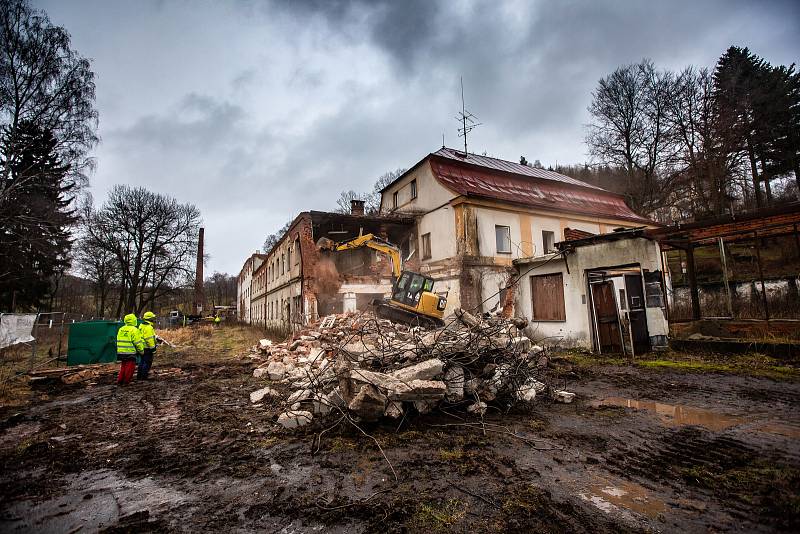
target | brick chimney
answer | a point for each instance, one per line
(356, 207)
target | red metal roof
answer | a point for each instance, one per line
(487, 177)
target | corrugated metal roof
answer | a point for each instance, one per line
(479, 176)
(510, 166)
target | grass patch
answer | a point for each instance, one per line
(451, 455)
(752, 364)
(437, 516)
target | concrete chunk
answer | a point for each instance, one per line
(564, 396)
(420, 371)
(276, 370)
(369, 404)
(417, 390)
(299, 395)
(454, 379)
(295, 418)
(259, 394)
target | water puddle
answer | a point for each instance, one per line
(621, 496)
(678, 415)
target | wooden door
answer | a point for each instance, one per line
(606, 316)
(637, 314)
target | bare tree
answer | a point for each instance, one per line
(153, 239)
(372, 199)
(630, 130)
(273, 238)
(43, 82)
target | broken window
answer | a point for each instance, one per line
(413, 189)
(548, 241)
(297, 251)
(654, 297)
(394, 199)
(426, 246)
(547, 296)
(503, 237)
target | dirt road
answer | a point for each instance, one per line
(640, 450)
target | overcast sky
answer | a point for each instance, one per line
(257, 110)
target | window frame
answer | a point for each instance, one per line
(395, 199)
(546, 250)
(426, 246)
(413, 185)
(507, 236)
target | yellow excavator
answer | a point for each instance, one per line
(413, 300)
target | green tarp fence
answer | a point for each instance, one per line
(92, 342)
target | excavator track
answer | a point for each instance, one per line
(385, 310)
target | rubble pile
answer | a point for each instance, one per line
(367, 369)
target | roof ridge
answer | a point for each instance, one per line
(458, 155)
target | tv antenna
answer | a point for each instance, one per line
(468, 121)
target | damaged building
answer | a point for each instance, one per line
(296, 283)
(600, 292)
(475, 215)
(472, 223)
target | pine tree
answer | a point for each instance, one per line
(35, 216)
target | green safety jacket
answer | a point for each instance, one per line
(148, 334)
(129, 339)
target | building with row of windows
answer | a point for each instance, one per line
(483, 229)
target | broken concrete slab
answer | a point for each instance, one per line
(276, 370)
(300, 395)
(421, 371)
(369, 404)
(262, 393)
(418, 390)
(454, 379)
(563, 396)
(295, 418)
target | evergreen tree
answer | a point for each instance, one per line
(35, 215)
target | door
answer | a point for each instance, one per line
(637, 314)
(605, 313)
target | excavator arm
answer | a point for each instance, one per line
(370, 241)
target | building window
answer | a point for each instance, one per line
(622, 301)
(548, 241)
(547, 297)
(283, 264)
(413, 189)
(502, 235)
(426, 246)
(394, 199)
(297, 252)
(288, 258)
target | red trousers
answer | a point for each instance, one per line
(126, 371)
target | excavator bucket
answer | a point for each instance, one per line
(325, 244)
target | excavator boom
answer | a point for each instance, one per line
(370, 241)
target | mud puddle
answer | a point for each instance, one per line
(622, 496)
(92, 500)
(676, 415)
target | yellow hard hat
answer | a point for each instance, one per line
(149, 315)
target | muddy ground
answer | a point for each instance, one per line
(640, 450)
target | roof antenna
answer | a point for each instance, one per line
(468, 120)
(442, 139)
